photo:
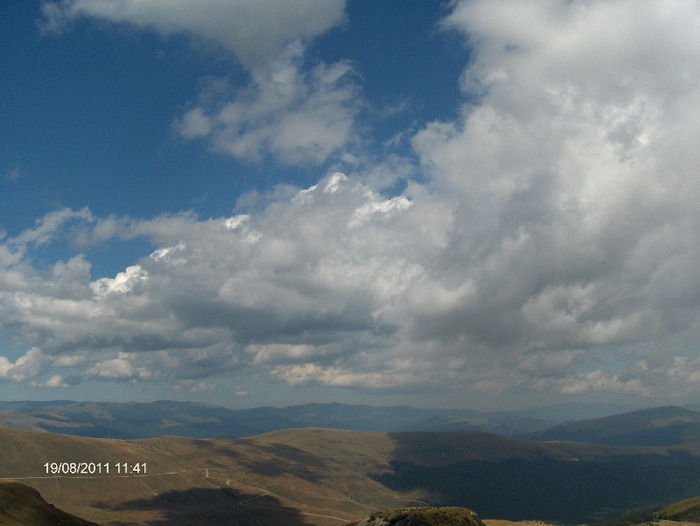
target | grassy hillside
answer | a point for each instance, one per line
(21, 505)
(261, 480)
(330, 477)
(422, 516)
(685, 511)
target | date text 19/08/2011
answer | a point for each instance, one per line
(95, 468)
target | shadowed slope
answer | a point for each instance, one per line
(22, 505)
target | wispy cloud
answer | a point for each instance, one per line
(13, 174)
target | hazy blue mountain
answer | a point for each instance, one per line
(572, 411)
(196, 420)
(189, 419)
(660, 426)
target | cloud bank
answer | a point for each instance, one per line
(550, 245)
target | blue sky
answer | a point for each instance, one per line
(465, 204)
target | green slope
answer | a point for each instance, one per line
(687, 510)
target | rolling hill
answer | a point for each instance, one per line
(331, 477)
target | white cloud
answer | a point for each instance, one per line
(195, 124)
(309, 373)
(562, 169)
(599, 381)
(227, 294)
(55, 382)
(25, 367)
(551, 244)
(297, 115)
(48, 226)
(125, 281)
(254, 32)
(115, 368)
(280, 352)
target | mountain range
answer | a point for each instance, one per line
(143, 420)
(658, 426)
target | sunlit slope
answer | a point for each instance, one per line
(683, 512)
(21, 505)
(687, 510)
(295, 477)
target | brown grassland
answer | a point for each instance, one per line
(296, 477)
(273, 478)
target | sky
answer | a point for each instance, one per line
(487, 204)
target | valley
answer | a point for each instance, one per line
(325, 477)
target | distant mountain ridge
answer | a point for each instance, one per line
(659, 426)
(143, 420)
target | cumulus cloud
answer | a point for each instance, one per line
(228, 294)
(294, 114)
(566, 167)
(55, 382)
(599, 381)
(550, 245)
(25, 367)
